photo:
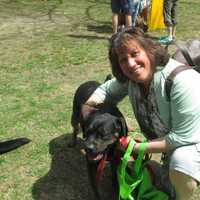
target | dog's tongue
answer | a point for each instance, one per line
(95, 158)
(98, 157)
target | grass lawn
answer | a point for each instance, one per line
(47, 48)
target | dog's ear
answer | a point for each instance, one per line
(87, 110)
(123, 126)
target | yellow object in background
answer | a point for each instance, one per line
(156, 18)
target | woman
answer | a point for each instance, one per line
(140, 66)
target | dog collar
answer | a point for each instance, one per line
(100, 168)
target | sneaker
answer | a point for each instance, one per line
(163, 37)
(166, 41)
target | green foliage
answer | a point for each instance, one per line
(49, 47)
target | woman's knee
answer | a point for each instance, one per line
(184, 185)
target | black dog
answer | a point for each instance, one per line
(10, 145)
(102, 126)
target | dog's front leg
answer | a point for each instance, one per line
(73, 141)
(92, 171)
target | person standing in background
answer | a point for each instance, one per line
(119, 7)
(170, 19)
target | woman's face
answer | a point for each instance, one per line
(135, 63)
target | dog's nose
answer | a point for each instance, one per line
(90, 146)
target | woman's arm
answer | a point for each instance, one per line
(160, 145)
(185, 109)
(111, 91)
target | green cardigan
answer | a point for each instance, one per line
(181, 115)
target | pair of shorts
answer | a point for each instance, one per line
(122, 6)
(186, 159)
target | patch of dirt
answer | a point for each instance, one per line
(27, 26)
(25, 19)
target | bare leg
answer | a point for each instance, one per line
(174, 31)
(170, 32)
(114, 23)
(184, 184)
(128, 20)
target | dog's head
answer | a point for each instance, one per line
(102, 134)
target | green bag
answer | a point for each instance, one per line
(137, 185)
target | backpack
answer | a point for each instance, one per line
(189, 55)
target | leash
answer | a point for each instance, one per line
(102, 163)
(100, 168)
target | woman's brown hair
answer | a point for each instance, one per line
(157, 54)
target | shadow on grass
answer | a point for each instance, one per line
(106, 28)
(67, 178)
(88, 37)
